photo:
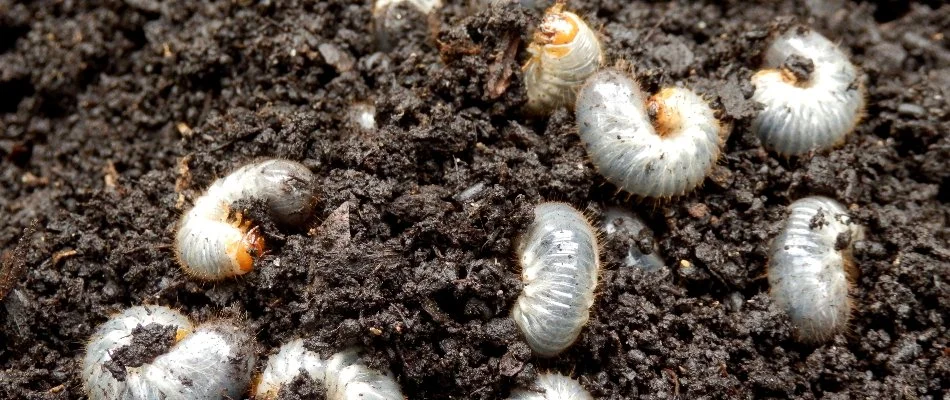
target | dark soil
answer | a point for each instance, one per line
(116, 115)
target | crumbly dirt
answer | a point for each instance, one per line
(116, 115)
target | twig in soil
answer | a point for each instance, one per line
(675, 379)
(62, 255)
(501, 70)
(183, 180)
(449, 52)
(654, 28)
(13, 263)
(437, 314)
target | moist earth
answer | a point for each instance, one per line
(116, 115)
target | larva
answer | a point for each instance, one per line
(210, 361)
(551, 386)
(657, 147)
(564, 52)
(618, 221)
(215, 242)
(809, 92)
(343, 375)
(560, 267)
(808, 267)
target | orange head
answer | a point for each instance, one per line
(181, 334)
(251, 246)
(666, 121)
(557, 28)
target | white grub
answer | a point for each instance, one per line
(343, 374)
(809, 92)
(627, 225)
(389, 22)
(215, 242)
(210, 361)
(808, 267)
(550, 386)
(282, 368)
(663, 146)
(347, 378)
(560, 267)
(565, 51)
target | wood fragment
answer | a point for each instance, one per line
(63, 254)
(501, 69)
(13, 262)
(182, 181)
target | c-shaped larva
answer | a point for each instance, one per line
(808, 266)
(565, 51)
(810, 94)
(657, 147)
(215, 242)
(559, 267)
(343, 375)
(211, 361)
(550, 386)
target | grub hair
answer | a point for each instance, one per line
(663, 146)
(808, 267)
(809, 93)
(552, 386)
(560, 268)
(343, 374)
(565, 51)
(208, 361)
(214, 242)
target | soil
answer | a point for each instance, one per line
(117, 114)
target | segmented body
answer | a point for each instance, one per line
(343, 374)
(552, 387)
(806, 107)
(808, 267)
(210, 361)
(560, 268)
(658, 147)
(214, 242)
(565, 51)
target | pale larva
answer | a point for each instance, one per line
(808, 267)
(211, 361)
(657, 147)
(215, 242)
(551, 386)
(565, 51)
(343, 375)
(560, 266)
(290, 361)
(809, 92)
(621, 222)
